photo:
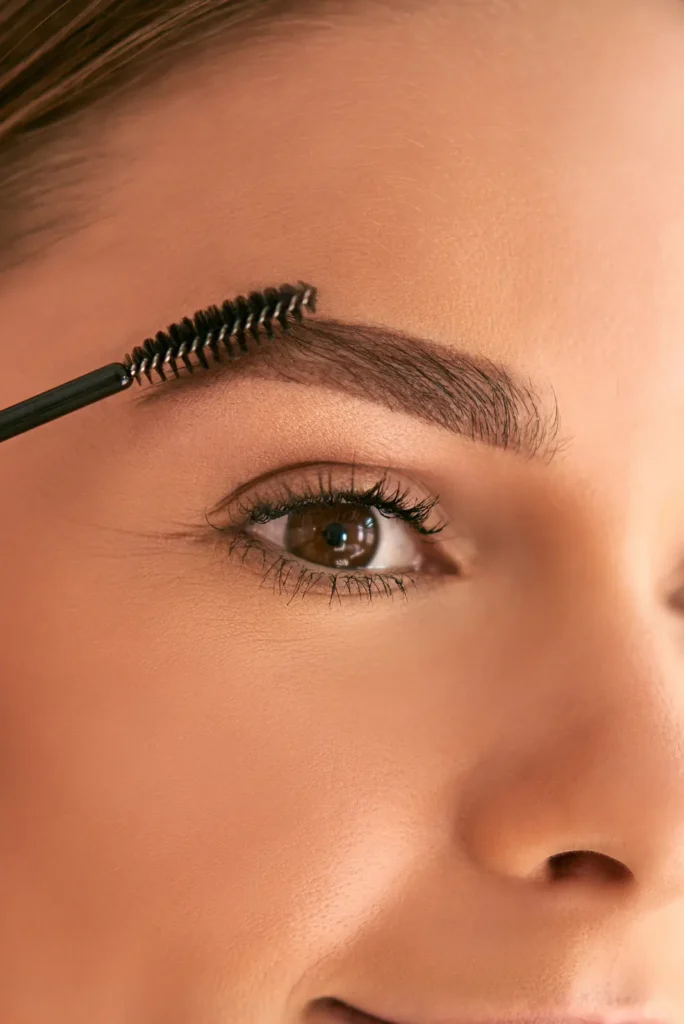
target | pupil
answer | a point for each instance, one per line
(336, 535)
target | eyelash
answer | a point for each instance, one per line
(390, 503)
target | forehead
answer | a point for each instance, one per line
(505, 176)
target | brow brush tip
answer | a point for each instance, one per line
(221, 330)
(218, 331)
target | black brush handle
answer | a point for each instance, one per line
(75, 394)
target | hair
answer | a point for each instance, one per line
(61, 60)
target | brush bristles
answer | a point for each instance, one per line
(220, 329)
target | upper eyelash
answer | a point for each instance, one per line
(214, 329)
(391, 504)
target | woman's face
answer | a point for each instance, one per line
(233, 785)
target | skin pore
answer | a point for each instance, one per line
(222, 803)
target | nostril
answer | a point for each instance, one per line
(586, 865)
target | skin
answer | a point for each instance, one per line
(218, 805)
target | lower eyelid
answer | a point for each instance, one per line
(288, 574)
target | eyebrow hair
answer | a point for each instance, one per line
(461, 392)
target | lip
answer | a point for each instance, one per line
(338, 1012)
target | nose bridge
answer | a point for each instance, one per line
(602, 773)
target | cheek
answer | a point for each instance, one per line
(182, 772)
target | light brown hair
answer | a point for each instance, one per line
(61, 61)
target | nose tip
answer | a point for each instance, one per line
(566, 818)
(580, 786)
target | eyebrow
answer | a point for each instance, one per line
(464, 393)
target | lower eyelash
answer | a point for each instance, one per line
(285, 566)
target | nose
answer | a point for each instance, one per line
(586, 789)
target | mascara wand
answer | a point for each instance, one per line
(214, 330)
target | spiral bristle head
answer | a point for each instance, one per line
(220, 329)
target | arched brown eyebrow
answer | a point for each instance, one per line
(464, 393)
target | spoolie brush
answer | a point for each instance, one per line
(216, 332)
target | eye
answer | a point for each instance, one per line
(345, 535)
(338, 528)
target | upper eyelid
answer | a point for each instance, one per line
(390, 489)
(285, 471)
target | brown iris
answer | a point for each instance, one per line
(341, 536)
